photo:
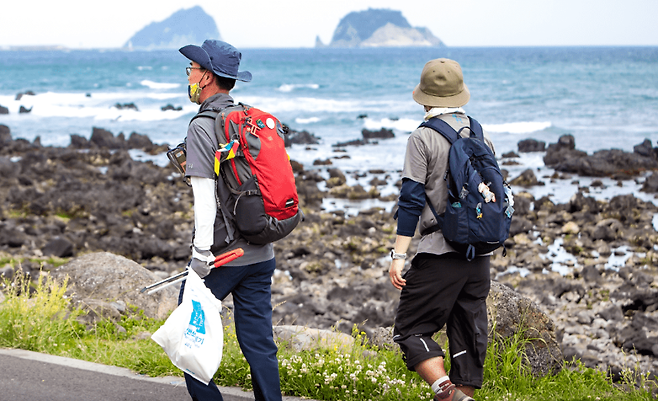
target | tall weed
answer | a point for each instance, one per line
(37, 317)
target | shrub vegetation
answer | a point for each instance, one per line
(38, 317)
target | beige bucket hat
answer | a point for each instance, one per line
(442, 85)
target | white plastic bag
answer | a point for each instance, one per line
(193, 336)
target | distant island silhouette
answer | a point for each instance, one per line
(379, 28)
(185, 26)
(369, 28)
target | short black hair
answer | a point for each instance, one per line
(225, 83)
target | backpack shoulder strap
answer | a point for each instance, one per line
(442, 128)
(219, 115)
(476, 129)
(210, 113)
(452, 136)
(449, 133)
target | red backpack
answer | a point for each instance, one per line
(252, 160)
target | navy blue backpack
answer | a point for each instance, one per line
(480, 203)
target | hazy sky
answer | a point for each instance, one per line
(296, 23)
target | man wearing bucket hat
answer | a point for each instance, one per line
(213, 70)
(441, 287)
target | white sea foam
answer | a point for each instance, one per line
(52, 104)
(135, 97)
(316, 105)
(301, 104)
(409, 125)
(402, 124)
(159, 85)
(291, 87)
(309, 120)
(618, 257)
(522, 127)
(99, 106)
(74, 98)
(563, 261)
(352, 207)
(134, 115)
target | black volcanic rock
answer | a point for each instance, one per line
(564, 157)
(300, 137)
(526, 179)
(383, 133)
(5, 134)
(646, 149)
(650, 183)
(103, 138)
(531, 145)
(184, 27)
(61, 200)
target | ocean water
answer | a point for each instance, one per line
(606, 97)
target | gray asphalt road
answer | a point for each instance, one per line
(31, 376)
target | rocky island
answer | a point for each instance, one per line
(183, 27)
(379, 28)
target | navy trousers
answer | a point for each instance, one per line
(252, 300)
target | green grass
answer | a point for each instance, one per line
(38, 317)
(15, 262)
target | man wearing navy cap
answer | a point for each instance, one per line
(213, 70)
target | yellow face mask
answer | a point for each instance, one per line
(194, 93)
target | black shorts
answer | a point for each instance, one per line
(445, 290)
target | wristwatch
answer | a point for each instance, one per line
(395, 255)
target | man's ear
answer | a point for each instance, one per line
(211, 79)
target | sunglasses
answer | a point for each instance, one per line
(188, 70)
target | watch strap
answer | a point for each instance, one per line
(395, 255)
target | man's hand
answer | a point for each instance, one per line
(202, 261)
(395, 273)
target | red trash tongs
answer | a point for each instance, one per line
(219, 260)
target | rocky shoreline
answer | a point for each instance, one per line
(332, 270)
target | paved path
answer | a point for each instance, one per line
(31, 376)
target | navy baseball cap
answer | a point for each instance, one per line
(219, 57)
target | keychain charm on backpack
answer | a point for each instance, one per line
(251, 127)
(510, 201)
(478, 211)
(486, 193)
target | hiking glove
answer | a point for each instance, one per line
(202, 261)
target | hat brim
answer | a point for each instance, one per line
(199, 55)
(457, 100)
